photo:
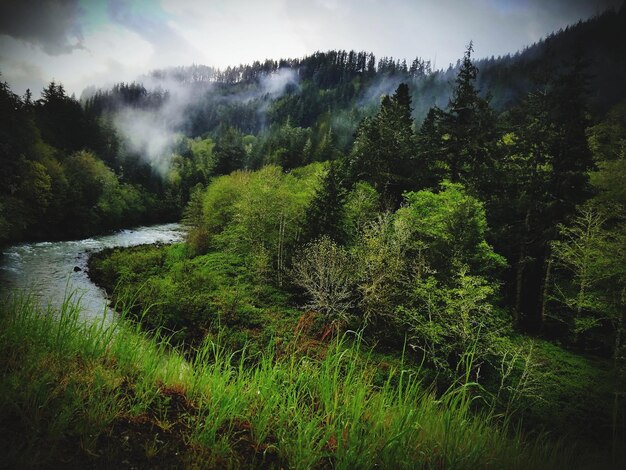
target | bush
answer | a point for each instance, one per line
(324, 270)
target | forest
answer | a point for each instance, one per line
(370, 244)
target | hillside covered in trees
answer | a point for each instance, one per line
(466, 227)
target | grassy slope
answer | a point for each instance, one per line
(569, 394)
(79, 395)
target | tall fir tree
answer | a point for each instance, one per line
(547, 177)
(430, 164)
(383, 153)
(469, 132)
(324, 215)
(229, 151)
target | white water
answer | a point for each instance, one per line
(47, 269)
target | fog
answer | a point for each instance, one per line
(152, 133)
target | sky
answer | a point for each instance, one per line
(100, 42)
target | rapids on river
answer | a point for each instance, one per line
(51, 270)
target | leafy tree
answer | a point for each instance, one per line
(583, 251)
(607, 141)
(203, 158)
(361, 207)
(447, 230)
(219, 199)
(453, 325)
(448, 283)
(260, 215)
(193, 219)
(381, 269)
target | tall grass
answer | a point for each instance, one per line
(69, 388)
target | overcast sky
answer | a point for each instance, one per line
(100, 42)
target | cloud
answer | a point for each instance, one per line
(99, 62)
(237, 31)
(153, 26)
(52, 25)
(98, 42)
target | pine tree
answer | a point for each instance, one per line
(547, 169)
(383, 153)
(468, 130)
(229, 151)
(324, 216)
(430, 164)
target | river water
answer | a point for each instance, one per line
(49, 270)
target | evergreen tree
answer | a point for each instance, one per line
(571, 156)
(61, 120)
(383, 153)
(430, 164)
(547, 168)
(325, 214)
(468, 132)
(229, 152)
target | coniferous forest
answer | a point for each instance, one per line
(384, 264)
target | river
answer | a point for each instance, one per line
(48, 270)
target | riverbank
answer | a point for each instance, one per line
(77, 395)
(568, 395)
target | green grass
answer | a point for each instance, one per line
(79, 394)
(195, 296)
(567, 395)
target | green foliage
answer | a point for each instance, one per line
(260, 215)
(381, 268)
(607, 139)
(324, 214)
(446, 230)
(591, 253)
(423, 272)
(575, 393)
(609, 180)
(449, 322)
(459, 143)
(230, 152)
(544, 176)
(361, 207)
(51, 186)
(287, 146)
(193, 219)
(219, 201)
(191, 295)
